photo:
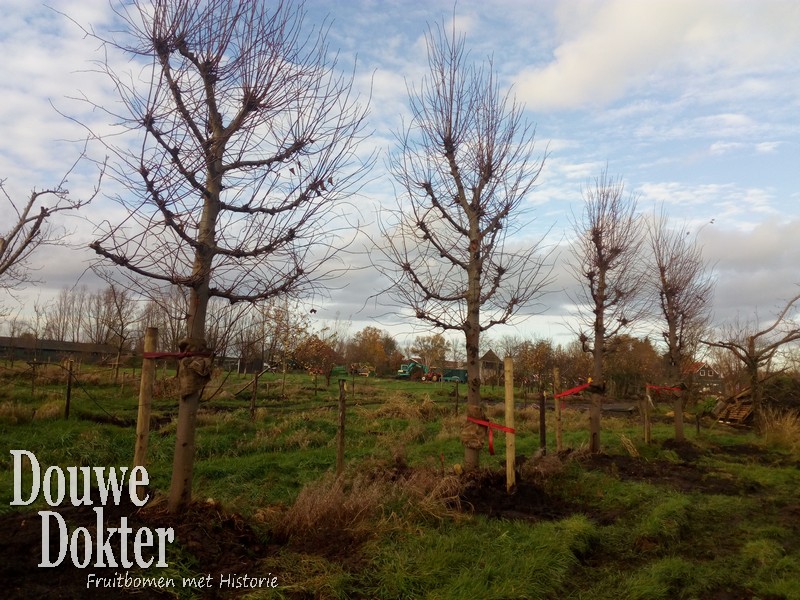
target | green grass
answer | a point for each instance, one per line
(627, 537)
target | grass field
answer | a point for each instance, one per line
(717, 517)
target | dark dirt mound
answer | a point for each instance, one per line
(685, 450)
(220, 543)
(684, 477)
(485, 493)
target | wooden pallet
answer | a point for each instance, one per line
(736, 412)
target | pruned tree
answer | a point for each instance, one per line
(465, 165)
(30, 225)
(756, 348)
(607, 263)
(246, 148)
(684, 290)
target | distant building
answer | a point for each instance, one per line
(704, 378)
(491, 367)
(27, 348)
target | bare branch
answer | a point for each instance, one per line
(34, 226)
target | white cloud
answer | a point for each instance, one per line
(725, 147)
(609, 47)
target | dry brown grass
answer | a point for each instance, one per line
(629, 446)
(305, 438)
(330, 503)
(400, 406)
(14, 413)
(353, 508)
(451, 427)
(781, 428)
(54, 409)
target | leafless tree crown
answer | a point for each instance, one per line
(465, 165)
(683, 287)
(247, 143)
(607, 261)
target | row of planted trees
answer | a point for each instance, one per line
(247, 151)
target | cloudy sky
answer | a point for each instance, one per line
(694, 103)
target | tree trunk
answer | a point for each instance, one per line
(473, 435)
(194, 371)
(677, 406)
(595, 410)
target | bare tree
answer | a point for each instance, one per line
(247, 146)
(97, 316)
(122, 316)
(465, 165)
(30, 226)
(684, 291)
(756, 348)
(607, 262)
(58, 316)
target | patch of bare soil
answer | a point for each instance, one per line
(485, 493)
(220, 543)
(751, 453)
(739, 594)
(684, 477)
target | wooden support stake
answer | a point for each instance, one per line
(646, 418)
(511, 451)
(145, 399)
(340, 432)
(677, 406)
(556, 391)
(69, 389)
(542, 423)
(253, 397)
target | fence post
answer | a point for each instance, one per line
(677, 406)
(557, 402)
(646, 415)
(69, 389)
(542, 422)
(145, 398)
(340, 431)
(253, 397)
(511, 450)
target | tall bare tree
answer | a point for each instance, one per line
(756, 348)
(247, 146)
(607, 262)
(465, 165)
(684, 290)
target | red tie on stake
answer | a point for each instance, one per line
(574, 390)
(491, 427)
